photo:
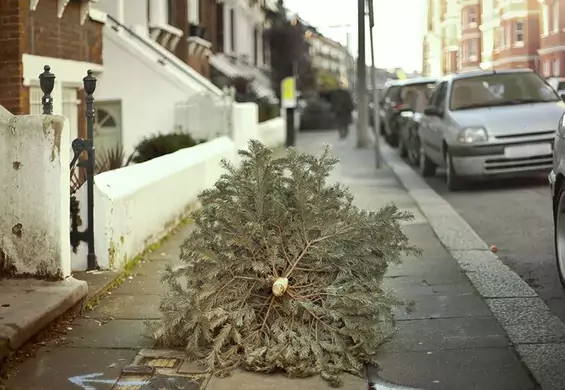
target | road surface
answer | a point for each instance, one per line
(515, 215)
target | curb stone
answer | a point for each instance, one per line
(527, 320)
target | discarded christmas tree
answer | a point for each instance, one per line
(283, 272)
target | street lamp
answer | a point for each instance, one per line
(375, 105)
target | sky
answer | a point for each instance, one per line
(399, 27)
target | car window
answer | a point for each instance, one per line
(393, 94)
(412, 93)
(422, 102)
(439, 95)
(561, 86)
(500, 89)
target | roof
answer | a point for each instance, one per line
(412, 81)
(486, 72)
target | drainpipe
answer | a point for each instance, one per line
(120, 11)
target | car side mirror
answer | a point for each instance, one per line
(432, 111)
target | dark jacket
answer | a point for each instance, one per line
(342, 104)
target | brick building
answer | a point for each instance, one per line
(552, 44)
(35, 33)
(502, 34)
(202, 34)
(517, 37)
(470, 42)
(451, 35)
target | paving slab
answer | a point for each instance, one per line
(461, 369)
(93, 333)
(97, 280)
(28, 305)
(125, 306)
(445, 334)
(253, 381)
(54, 368)
(419, 286)
(443, 306)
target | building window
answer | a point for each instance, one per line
(202, 12)
(255, 46)
(220, 27)
(555, 16)
(471, 18)
(518, 32)
(473, 50)
(546, 69)
(555, 69)
(232, 30)
(170, 12)
(545, 19)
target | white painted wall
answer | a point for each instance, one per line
(34, 183)
(137, 205)
(147, 89)
(272, 133)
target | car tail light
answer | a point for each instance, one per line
(397, 107)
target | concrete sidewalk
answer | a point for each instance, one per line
(450, 341)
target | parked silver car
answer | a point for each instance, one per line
(557, 185)
(485, 124)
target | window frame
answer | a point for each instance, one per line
(519, 35)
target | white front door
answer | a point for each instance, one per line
(107, 126)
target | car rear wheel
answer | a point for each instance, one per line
(559, 235)
(427, 166)
(413, 148)
(454, 181)
(402, 146)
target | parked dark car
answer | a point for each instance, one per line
(397, 97)
(408, 123)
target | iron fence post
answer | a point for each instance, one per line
(47, 83)
(89, 83)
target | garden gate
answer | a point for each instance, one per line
(82, 163)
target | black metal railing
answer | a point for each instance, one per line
(79, 146)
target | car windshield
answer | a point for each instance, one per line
(500, 89)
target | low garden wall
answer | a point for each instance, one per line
(34, 205)
(272, 133)
(137, 205)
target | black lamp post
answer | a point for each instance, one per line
(89, 83)
(79, 145)
(47, 83)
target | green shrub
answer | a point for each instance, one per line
(158, 145)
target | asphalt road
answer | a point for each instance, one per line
(515, 215)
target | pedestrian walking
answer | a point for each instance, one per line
(342, 105)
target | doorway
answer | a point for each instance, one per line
(107, 126)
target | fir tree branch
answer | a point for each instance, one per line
(300, 256)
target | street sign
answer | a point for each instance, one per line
(288, 93)
(400, 74)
